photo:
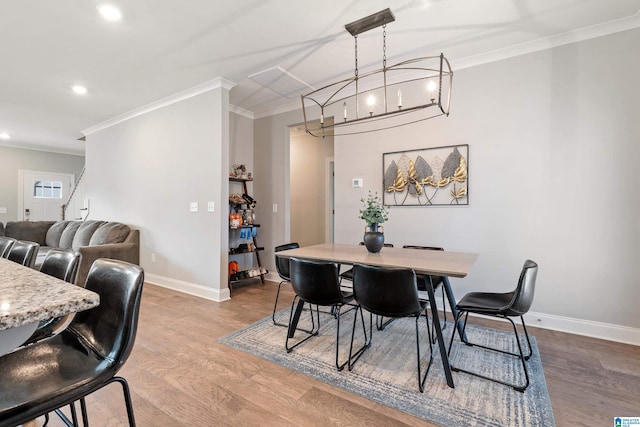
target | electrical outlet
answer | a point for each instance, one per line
(193, 206)
(275, 208)
(211, 207)
(153, 257)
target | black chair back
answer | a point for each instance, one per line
(523, 295)
(435, 280)
(388, 292)
(316, 282)
(111, 326)
(282, 264)
(24, 253)
(61, 264)
(6, 243)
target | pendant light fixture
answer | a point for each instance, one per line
(408, 92)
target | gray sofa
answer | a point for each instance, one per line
(92, 239)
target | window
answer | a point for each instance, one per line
(47, 190)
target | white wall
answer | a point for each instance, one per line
(145, 172)
(553, 142)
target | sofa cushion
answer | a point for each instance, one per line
(84, 233)
(32, 231)
(54, 233)
(110, 232)
(66, 239)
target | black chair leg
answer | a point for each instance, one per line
(83, 411)
(127, 398)
(337, 309)
(520, 355)
(275, 306)
(312, 333)
(353, 357)
(423, 378)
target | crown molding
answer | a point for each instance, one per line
(46, 149)
(241, 111)
(216, 83)
(581, 34)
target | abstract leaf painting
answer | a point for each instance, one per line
(427, 177)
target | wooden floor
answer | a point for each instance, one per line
(180, 376)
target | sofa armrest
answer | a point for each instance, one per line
(129, 252)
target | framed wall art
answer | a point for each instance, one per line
(426, 177)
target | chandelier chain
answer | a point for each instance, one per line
(356, 50)
(384, 46)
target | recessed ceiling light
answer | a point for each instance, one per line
(4, 135)
(79, 90)
(110, 12)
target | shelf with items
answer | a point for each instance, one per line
(248, 274)
(243, 232)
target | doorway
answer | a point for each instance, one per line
(42, 194)
(311, 187)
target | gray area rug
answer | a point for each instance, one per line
(386, 373)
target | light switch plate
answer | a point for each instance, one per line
(193, 206)
(357, 183)
(3, 210)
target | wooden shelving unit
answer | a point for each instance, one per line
(243, 249)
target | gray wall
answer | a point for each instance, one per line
(145, 172)
(14, 159)
(553, 141)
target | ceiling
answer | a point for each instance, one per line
(162, 47)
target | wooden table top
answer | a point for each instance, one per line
(28, 296)
(438, 263)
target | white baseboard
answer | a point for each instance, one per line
(201, 291)
(589, 328)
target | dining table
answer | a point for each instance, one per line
(434, 263)
(28, 296)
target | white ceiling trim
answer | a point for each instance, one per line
(586, 33)
(241, 111)
(216, 83)
(569, 37)
(47, 149)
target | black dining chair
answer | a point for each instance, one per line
(316, 283)
(282, 267)
(392, 293)
(24, 253)
(62, 264)
(505, 306)
(6, 243)
(85, 357)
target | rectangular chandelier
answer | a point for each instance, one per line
(408, 92)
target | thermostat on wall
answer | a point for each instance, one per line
(357, 183)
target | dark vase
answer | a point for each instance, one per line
(373, 239)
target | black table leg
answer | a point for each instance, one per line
(452, 304)
(436, 324)
(293, 325)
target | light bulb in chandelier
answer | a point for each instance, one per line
(371, 101)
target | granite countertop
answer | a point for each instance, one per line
(28, 296)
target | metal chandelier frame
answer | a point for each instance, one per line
(418, 85)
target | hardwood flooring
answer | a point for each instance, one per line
(180, 376)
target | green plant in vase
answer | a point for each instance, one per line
(374, 213)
